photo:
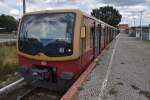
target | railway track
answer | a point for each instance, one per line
(40, 94)
(33, 93)
(28, 92)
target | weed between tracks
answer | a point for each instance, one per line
(8, 62)
(135, 87)
(113, 91)
(119, 83)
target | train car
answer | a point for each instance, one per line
(56, 46)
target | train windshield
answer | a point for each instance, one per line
(51, 34)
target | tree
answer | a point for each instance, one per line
(107, 14)
(8, 22)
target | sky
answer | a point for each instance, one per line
(130, 9)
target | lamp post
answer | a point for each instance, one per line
(134, 21)
(141, 12)
(24, 7)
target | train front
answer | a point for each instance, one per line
(48, 55)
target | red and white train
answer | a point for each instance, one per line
(56, 46)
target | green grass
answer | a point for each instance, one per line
(147, 42)
(145, 93)
(8, 61)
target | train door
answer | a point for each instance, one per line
(100, 33)
(113, 33)
(97, 39)
(102, 36)
(82, 43)
(110, 34)
(95, 33)
(92, 33)
(105, 36)
(86, 47)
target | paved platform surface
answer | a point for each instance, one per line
(123, 73)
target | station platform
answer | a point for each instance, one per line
(122, 73)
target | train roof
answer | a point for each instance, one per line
(53, 11)
(97, 20)
(69, 10)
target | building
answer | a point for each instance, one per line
(132, 32)
(124, 27)
(140, 32)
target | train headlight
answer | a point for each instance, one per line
(44, 63)
(69, 50)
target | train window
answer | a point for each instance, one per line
(47, 33)
(87, 37)
(99, 27)
(83, 40)
(104, 36)
(92, 31)
(107, 35)
(83, 31)
(97, 37)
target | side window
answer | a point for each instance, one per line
(113, 33)
(92, 30)
(108, 34)
(99, 27)
(105, 33)
(102, 34)
(83, 32)
(97, 36)
(87, 37)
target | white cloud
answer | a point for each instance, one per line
(128, 8)
(14, 12)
